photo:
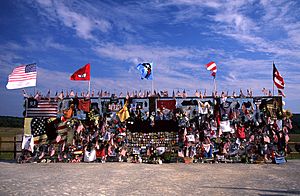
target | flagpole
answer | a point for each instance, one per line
(90, 84)
(273, 78)
(152, 82)
(89, 90)
(215, 85)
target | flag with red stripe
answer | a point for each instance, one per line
(277, 78)
(22, 76)
(62, 131)
(212, 66)
(281, 93)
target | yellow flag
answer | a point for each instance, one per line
(123, 114)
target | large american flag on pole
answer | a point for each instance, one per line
(277, 78)
(22, 76)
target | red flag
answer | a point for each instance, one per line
(84, 105)
(211, 66)
(277, 78)
(82, 73)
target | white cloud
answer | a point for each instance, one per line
(84, 25)
(130, 52)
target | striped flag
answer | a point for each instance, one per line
(41, 108)
(277, 78)
(281, 93)
(62, 132)
(22, 76)
(38, 130)
(211, 66)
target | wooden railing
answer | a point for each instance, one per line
(10, 147)
(293, 153)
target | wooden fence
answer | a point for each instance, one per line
(10, 147)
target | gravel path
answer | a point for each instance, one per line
(147, 179)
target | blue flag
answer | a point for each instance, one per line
(146, 70)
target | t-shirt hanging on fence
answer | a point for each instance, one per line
(225, 126)
(27, 143)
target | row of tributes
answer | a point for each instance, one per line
(156, 129)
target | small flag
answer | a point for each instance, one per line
(22, 76)
(265, 91)
(184, 94)
(123, 114)
(281, 93)
(145, 70)
(211, 66)
(197, 94)
(277, 78)
(82, 73)
(164, 93)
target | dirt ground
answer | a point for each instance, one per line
(147, 179)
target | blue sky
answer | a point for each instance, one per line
(179, 36)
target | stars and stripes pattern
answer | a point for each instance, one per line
(62, 131)
(38, 130)
(277, 78)
(41, 108)
(212, 66)
(22, 76)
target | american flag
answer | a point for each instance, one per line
(22, 76)
(277, 78)
(38, 130)
(62, 131)
(41, 108)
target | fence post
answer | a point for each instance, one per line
(15, 147)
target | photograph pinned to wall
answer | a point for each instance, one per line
(140, 103)
(202, 105)
(116, 105)
(165, 107)
(272, 106)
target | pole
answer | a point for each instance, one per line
(273, 78)
(152, 82)
(152, 87)
(89, 90)
(215, 85)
